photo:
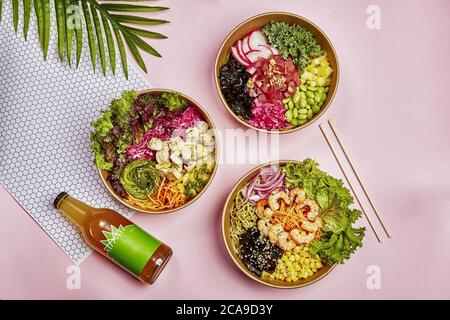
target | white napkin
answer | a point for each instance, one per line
(45, 114)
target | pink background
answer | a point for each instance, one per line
(391, 109)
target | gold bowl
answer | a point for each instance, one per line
(104, 173)
(260, 21)
(226, 224)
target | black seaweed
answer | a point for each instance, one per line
(233, 83)
(257, 253)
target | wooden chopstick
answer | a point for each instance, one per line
(357, 177)
(348, 182)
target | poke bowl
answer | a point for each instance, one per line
(155, 150)
(276, 72)
(286, 224)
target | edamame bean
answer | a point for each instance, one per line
(326, 89)
(321, 103)
(295, 113)
(318, 97)
(286, 100)
(302, 116)
(315, 109)
(321, 89)
(303, 111)
(302, 94)
(311, 101)
(310, 114)
(291, 104)
(312, 88)
(288, 115)
(310, 94)
(324, 97)
(303, 102)
(294, 122)
(300, 122)
(302, 87)
(296, 97)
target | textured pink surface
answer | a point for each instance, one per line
(392, 110)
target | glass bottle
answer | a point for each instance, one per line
(117, 238)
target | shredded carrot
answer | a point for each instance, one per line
(289, 217)
(168, 196)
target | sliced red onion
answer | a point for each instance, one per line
(264, 184)
(251, 186)
(254, 198)
(269, 182)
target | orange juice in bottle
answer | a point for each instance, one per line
(117, 238)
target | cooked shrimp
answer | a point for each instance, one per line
(301, 237)
(273, 200)
(260, 207)
(313, 209)
(312, 226)
(263, 226)
(297, 195)
(268, 213)
(284, 243)
(274, 232)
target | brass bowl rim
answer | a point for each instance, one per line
(208, 118)
(316, 116)
(244, 270)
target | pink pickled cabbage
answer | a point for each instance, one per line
(187, 119)
(141, 150)
(166, 127)
(267, 115)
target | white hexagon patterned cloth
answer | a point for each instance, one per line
(45, 114)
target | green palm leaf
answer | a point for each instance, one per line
(61, 25)
(110, 43)
(68, 26)
(46, 11)
(15, 4)
(100, 25)
(26, 17)
(138, 20)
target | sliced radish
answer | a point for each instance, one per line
(257, 38)
(251, 53)
(245, 47)
(254, 55)
(272, 49)
(265, 50)
(236, 55)
(251, 69)
(238, 46)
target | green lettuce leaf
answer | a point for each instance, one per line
(108, 142)
(103, 124)
(339, 239)
(99, 158)
(338, 247)
(173, 101)
(124, 142)
(121, 107)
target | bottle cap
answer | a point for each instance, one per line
(59, 198)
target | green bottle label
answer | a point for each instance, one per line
(130, 246)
